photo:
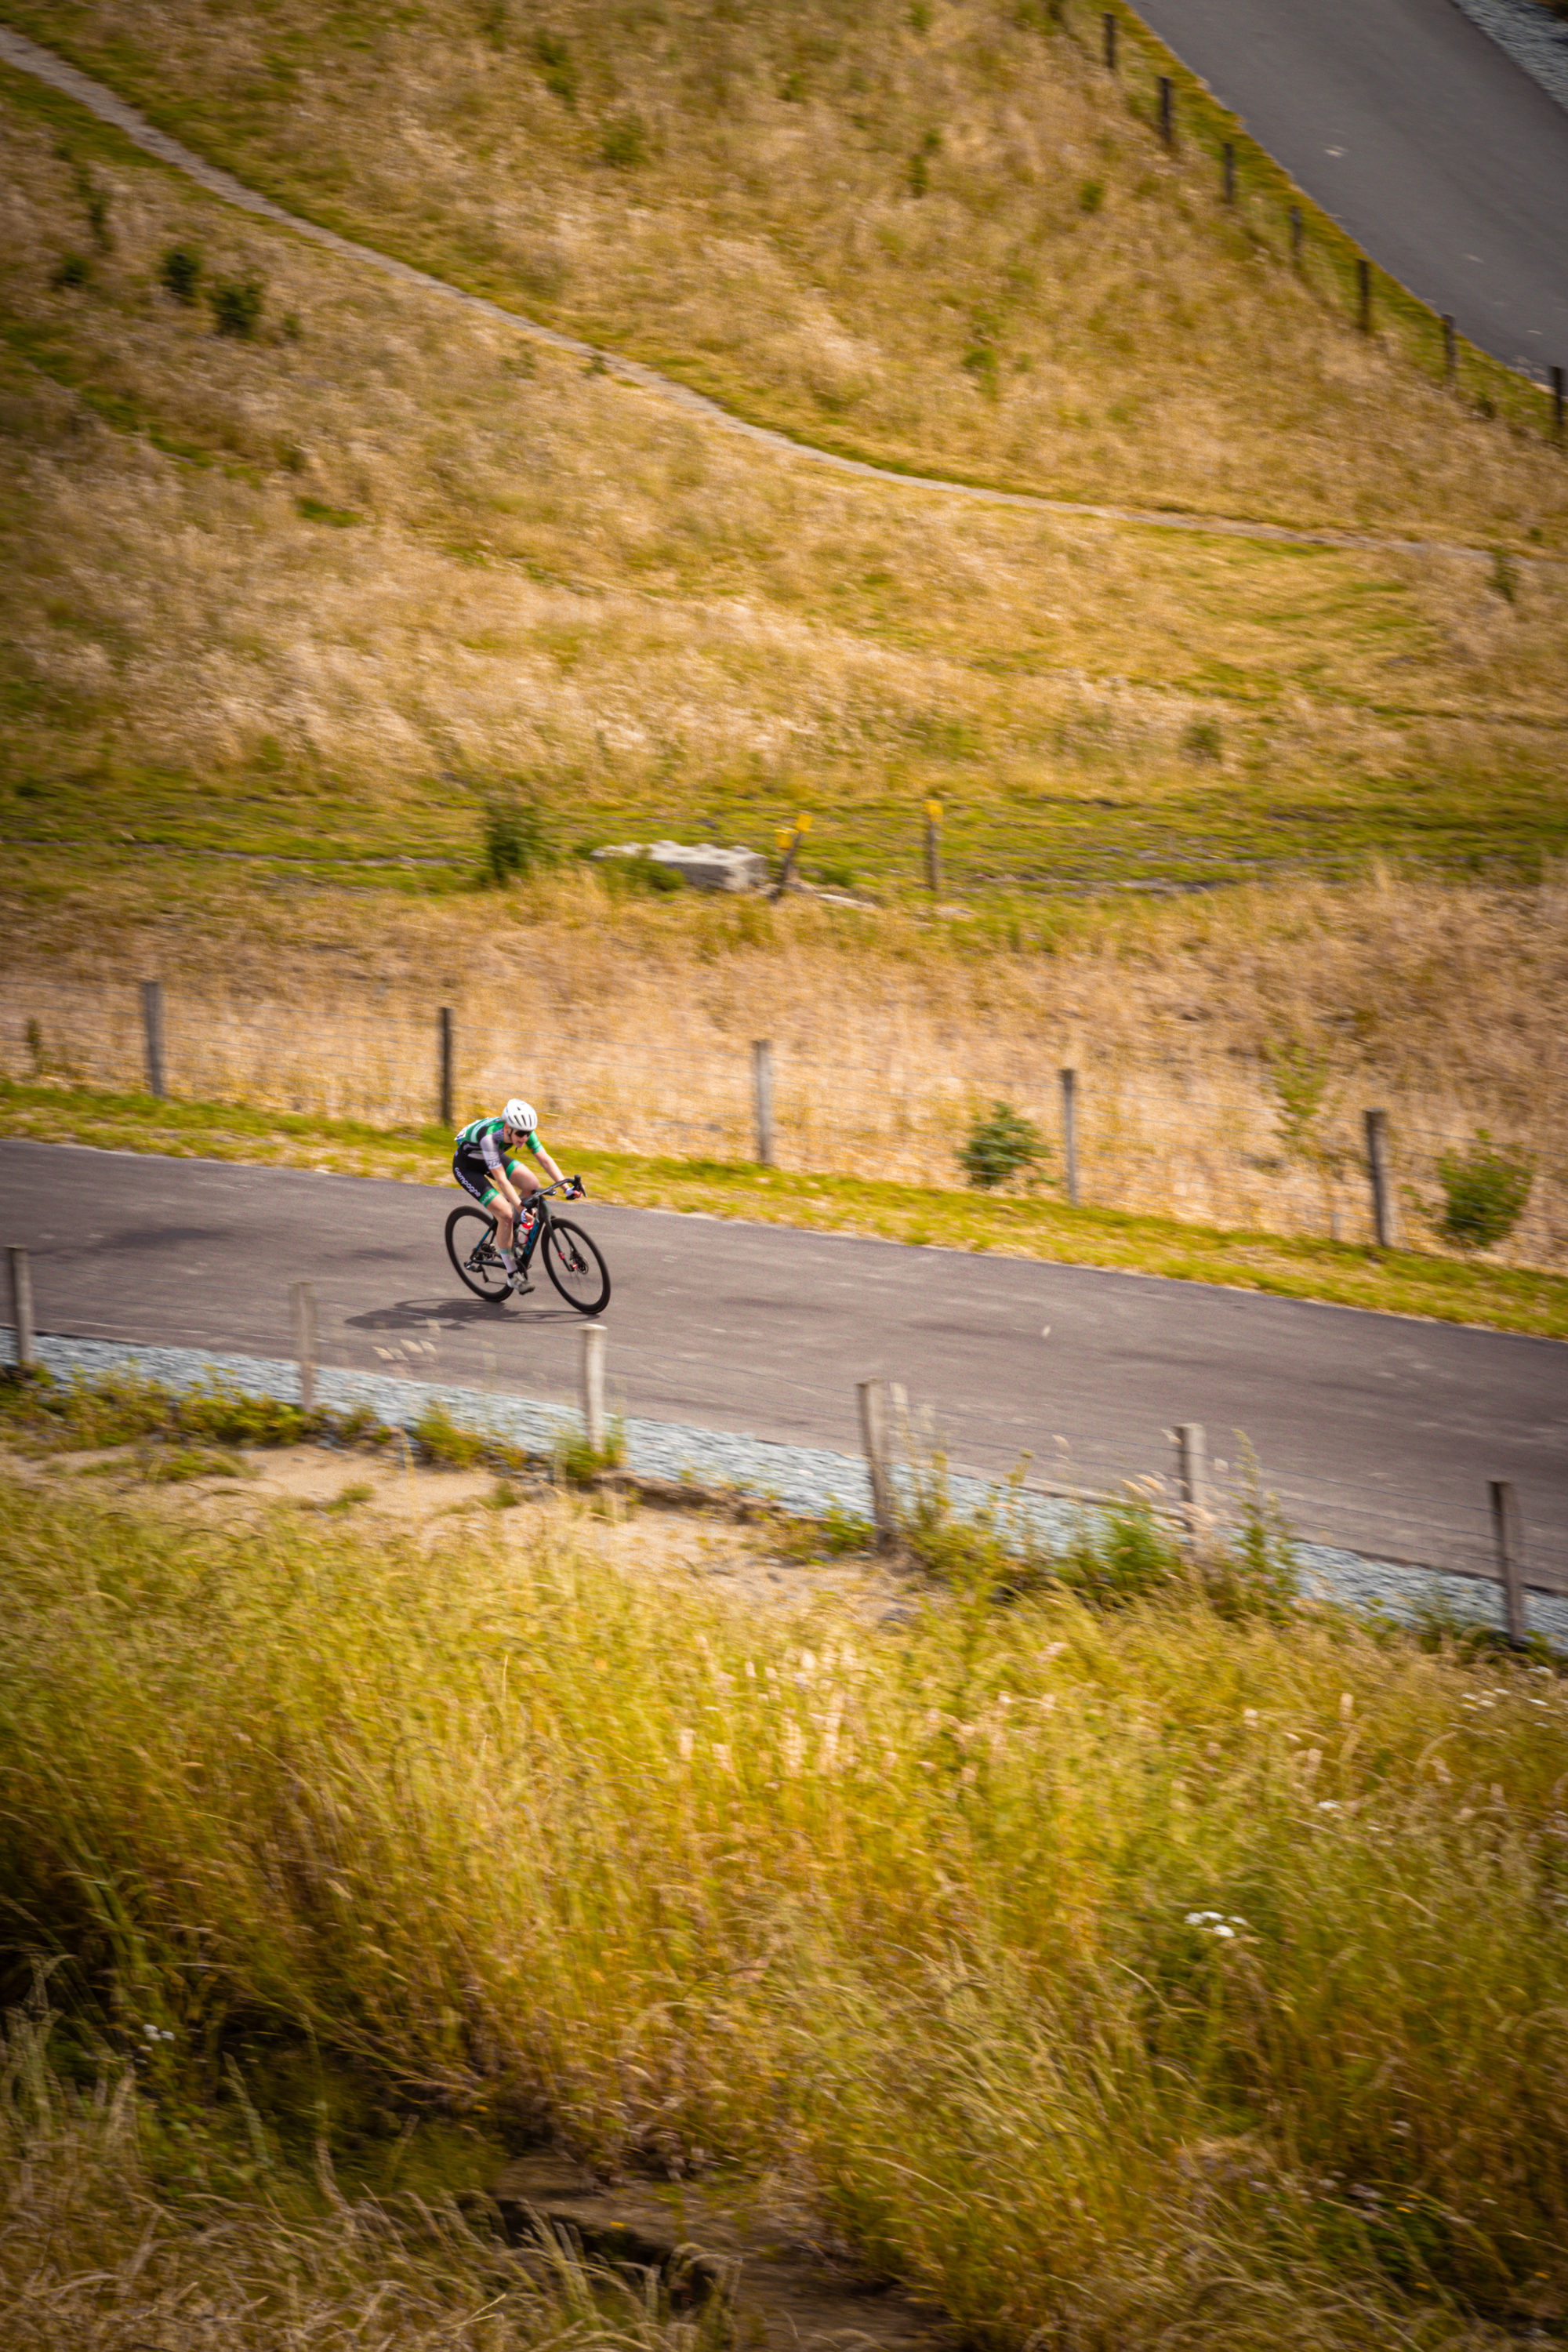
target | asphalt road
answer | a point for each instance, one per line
(1375, 1428)
(1443, 159)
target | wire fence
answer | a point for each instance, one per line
(1208, 1146)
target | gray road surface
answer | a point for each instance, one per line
(1421, 137)
(1378, 1430)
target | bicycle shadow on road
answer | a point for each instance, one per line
(455, 1315)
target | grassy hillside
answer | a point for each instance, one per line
(307, 595)
(917, 1921)
(939, 234)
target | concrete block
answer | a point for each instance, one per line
(704, 866)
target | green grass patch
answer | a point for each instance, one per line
(1116, 1978)
(1393, 1281)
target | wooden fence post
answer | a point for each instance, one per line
(1557, 403)
(593, 1385)
(1069, 1134)
(1167, 110)
(1110, 42)
(152, 1031)
(875, 1396)
(1450, 350)
(1229, 162)
(303, 1298)
(444, 1028)
(1191, 1474)
(1509, 1539)
(1364, 296)
(1383, 1217)
(763, 1098)
(933, 848)
(21, 1267)
(1295, 232)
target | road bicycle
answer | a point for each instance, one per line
(571, 1260)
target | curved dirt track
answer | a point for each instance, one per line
(28, 56)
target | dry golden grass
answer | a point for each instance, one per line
(734, 192)
(404, 544)
(630, 1023)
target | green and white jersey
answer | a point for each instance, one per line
(483, 1138)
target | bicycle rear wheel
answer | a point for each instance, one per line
(476, 1261)
(575, 1267)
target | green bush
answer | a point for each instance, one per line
(237, 305)
(1000, 1145)
(1484, 1193)
(180, 272)
(513, 839)
(72, 270)
(623, 145)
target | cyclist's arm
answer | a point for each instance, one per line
(545, 1161)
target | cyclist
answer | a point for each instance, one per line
(483, 1165)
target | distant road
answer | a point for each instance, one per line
(1437, 154)
(1376, 1428)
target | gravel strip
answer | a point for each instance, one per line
(805, 1480)
(1534, 38)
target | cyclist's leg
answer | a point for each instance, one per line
(527, 1184)
(475, 1178)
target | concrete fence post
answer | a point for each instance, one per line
(153, 1033)
(763, 1098)
(876, 1400)
(1508, 1538)
(1383, 1217)
(1191, 1474)
(302, 1300)
(444, 1037)
(593, 1385)
(1069, 1134)
(21, 1267)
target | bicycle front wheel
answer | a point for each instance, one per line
(575, 1267)
(476, 1261)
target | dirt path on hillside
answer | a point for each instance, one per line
(28, 56)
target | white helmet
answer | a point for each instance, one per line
(521, 1117)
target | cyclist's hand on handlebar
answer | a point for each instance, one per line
(579, 1190)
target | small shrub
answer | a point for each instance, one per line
(72, 270)
(624, 144)
(834, 875)
(1001, 1145)
(442, 1441)
(1122, 1555)
(1484, 1193)
(512, 838)
(1202, 740)
(579, 1462)
(237, 305)
(1091, 195)
(1297, 1074)
(556, 67)
(180, 273)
